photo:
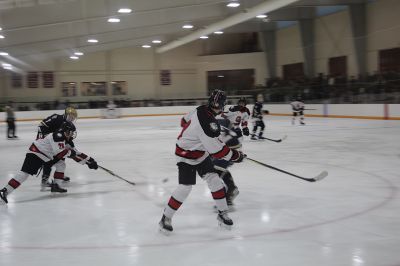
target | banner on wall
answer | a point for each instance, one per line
(48, 79)
(165, 77)
(98, 88)
(33, 80)
(68, 89)
(16, 81)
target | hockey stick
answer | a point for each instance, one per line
(114, 174)
(322, 175)
(275, 140)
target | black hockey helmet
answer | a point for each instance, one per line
(68, 129)
(242, 101)
(217, 100)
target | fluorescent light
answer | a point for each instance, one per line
(204, 37)
(74, 57)
(92, 41)
(220, 76)
(233, 4)
(125, 10)
(261, 16)
(146, 46)
(3, 53)
(2, 37)
(156, 41)
(218, 32)
(9, 68)
(1, 28)
(114, 20)
(78, 53)
(187, 26)
(6, 65)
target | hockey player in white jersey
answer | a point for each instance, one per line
(197, 142)
(233, 127)
(49, 151)
(238, 116)
(298, 110)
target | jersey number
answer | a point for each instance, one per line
(61, 145)
(184, 128)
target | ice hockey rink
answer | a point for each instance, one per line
(350, 218)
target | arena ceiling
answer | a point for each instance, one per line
(53, 28)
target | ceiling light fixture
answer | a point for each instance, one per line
(92, 41)
(114, 20)
(218, 32)
(233, 4)
(74, 57)
(204, 37)
(146, 46)
(125, 10)
(2, 37)
(156, 41)
(187, 26)
(6, 65)
(78, 53)
(1, 28)
(261, 16)
(3, 53)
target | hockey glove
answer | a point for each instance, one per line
(92, 164)
(237, 156)
(246, 131)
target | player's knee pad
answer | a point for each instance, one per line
(21, 177)
(213, 181)
(181, 192)
(60, 166)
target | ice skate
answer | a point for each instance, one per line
(56, 188)
(45, 183)
(165, 225)
(224, 220)
(253, 137)
(66, 179)
(3, 195)
(231, 196)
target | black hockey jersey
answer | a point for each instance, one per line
(51, 124)
(257, 110)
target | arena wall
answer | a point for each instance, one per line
(358, 111)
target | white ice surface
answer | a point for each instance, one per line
(351, 217)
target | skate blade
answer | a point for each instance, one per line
(224, 226)
(164, 231)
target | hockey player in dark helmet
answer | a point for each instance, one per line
(49, 151)
(52, 124)
(196, 144)
(257, 116)
(217, 100)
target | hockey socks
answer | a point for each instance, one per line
(16, 181)
(176, 199)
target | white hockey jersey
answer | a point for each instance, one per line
(297, 106)
(199, 138)
(53, 145)
(238, 116)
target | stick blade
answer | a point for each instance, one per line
(321, 176)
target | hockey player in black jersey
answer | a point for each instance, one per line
(195, 146)
(49, 151)
(49, 125)
(257, 116)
